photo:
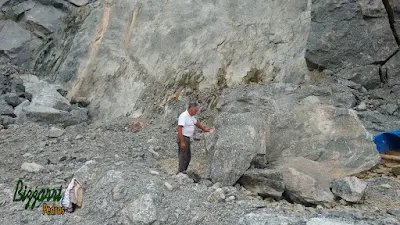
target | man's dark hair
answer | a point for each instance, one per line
(192, 105)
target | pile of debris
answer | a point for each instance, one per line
(26, 98)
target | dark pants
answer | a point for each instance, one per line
(184, 154)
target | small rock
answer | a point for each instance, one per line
(63, 158)
(31, 167)
(27, 155)
(217, 185)
(206, 182)
(396, 170)
(7, 120)
(12, 99)
(299, 208)
(168, 186)
(343, 202)
(183, 178)
(320, 207)
(155, 154)
(362, 106)
(55, 132)
(154, 172)
(217, 196)
(350, 189)
(92, 136)
(230, 199)
(382, 171)
(140, 211)
(78, 137)
(386, 186)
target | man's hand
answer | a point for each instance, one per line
(206, 129)
(183, 145)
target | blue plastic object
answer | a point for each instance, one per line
(388, 141)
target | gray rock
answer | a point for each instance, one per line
(362, 106)
(17, 86)
(12, 99)
(350, 189)
(367, 76)
(47, 96)
(7, 120)
(183, 178)
(168, 186)
(217, 196)
(32, 167)
(84, 173)
(239, 141)
(17, 44)
(44, 18)
(80, 114)
(388, 108)
(55, 132)
(281, 120)
(23, 7)
(376, 122)
(264, 182)
(396, 170)
(355, 42)
(18, 109)
(306, 182)
(46, 115)
(6, 109)
(141, 211)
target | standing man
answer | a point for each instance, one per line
(186, 126)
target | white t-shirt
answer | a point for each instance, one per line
(188, 122)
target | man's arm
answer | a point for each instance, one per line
(180, 135)
(200, 126)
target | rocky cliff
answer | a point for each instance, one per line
(294, 89)
(108, 50)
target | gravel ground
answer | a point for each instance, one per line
(129, 178)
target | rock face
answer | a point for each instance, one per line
(17, 43)
(369, 40)
(286, 120)
(210, 41)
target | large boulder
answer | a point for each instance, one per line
(306, 181)
(264, 182)
(47, 115)
(281, 120)
(45, 94)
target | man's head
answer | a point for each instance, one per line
(193, 108)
